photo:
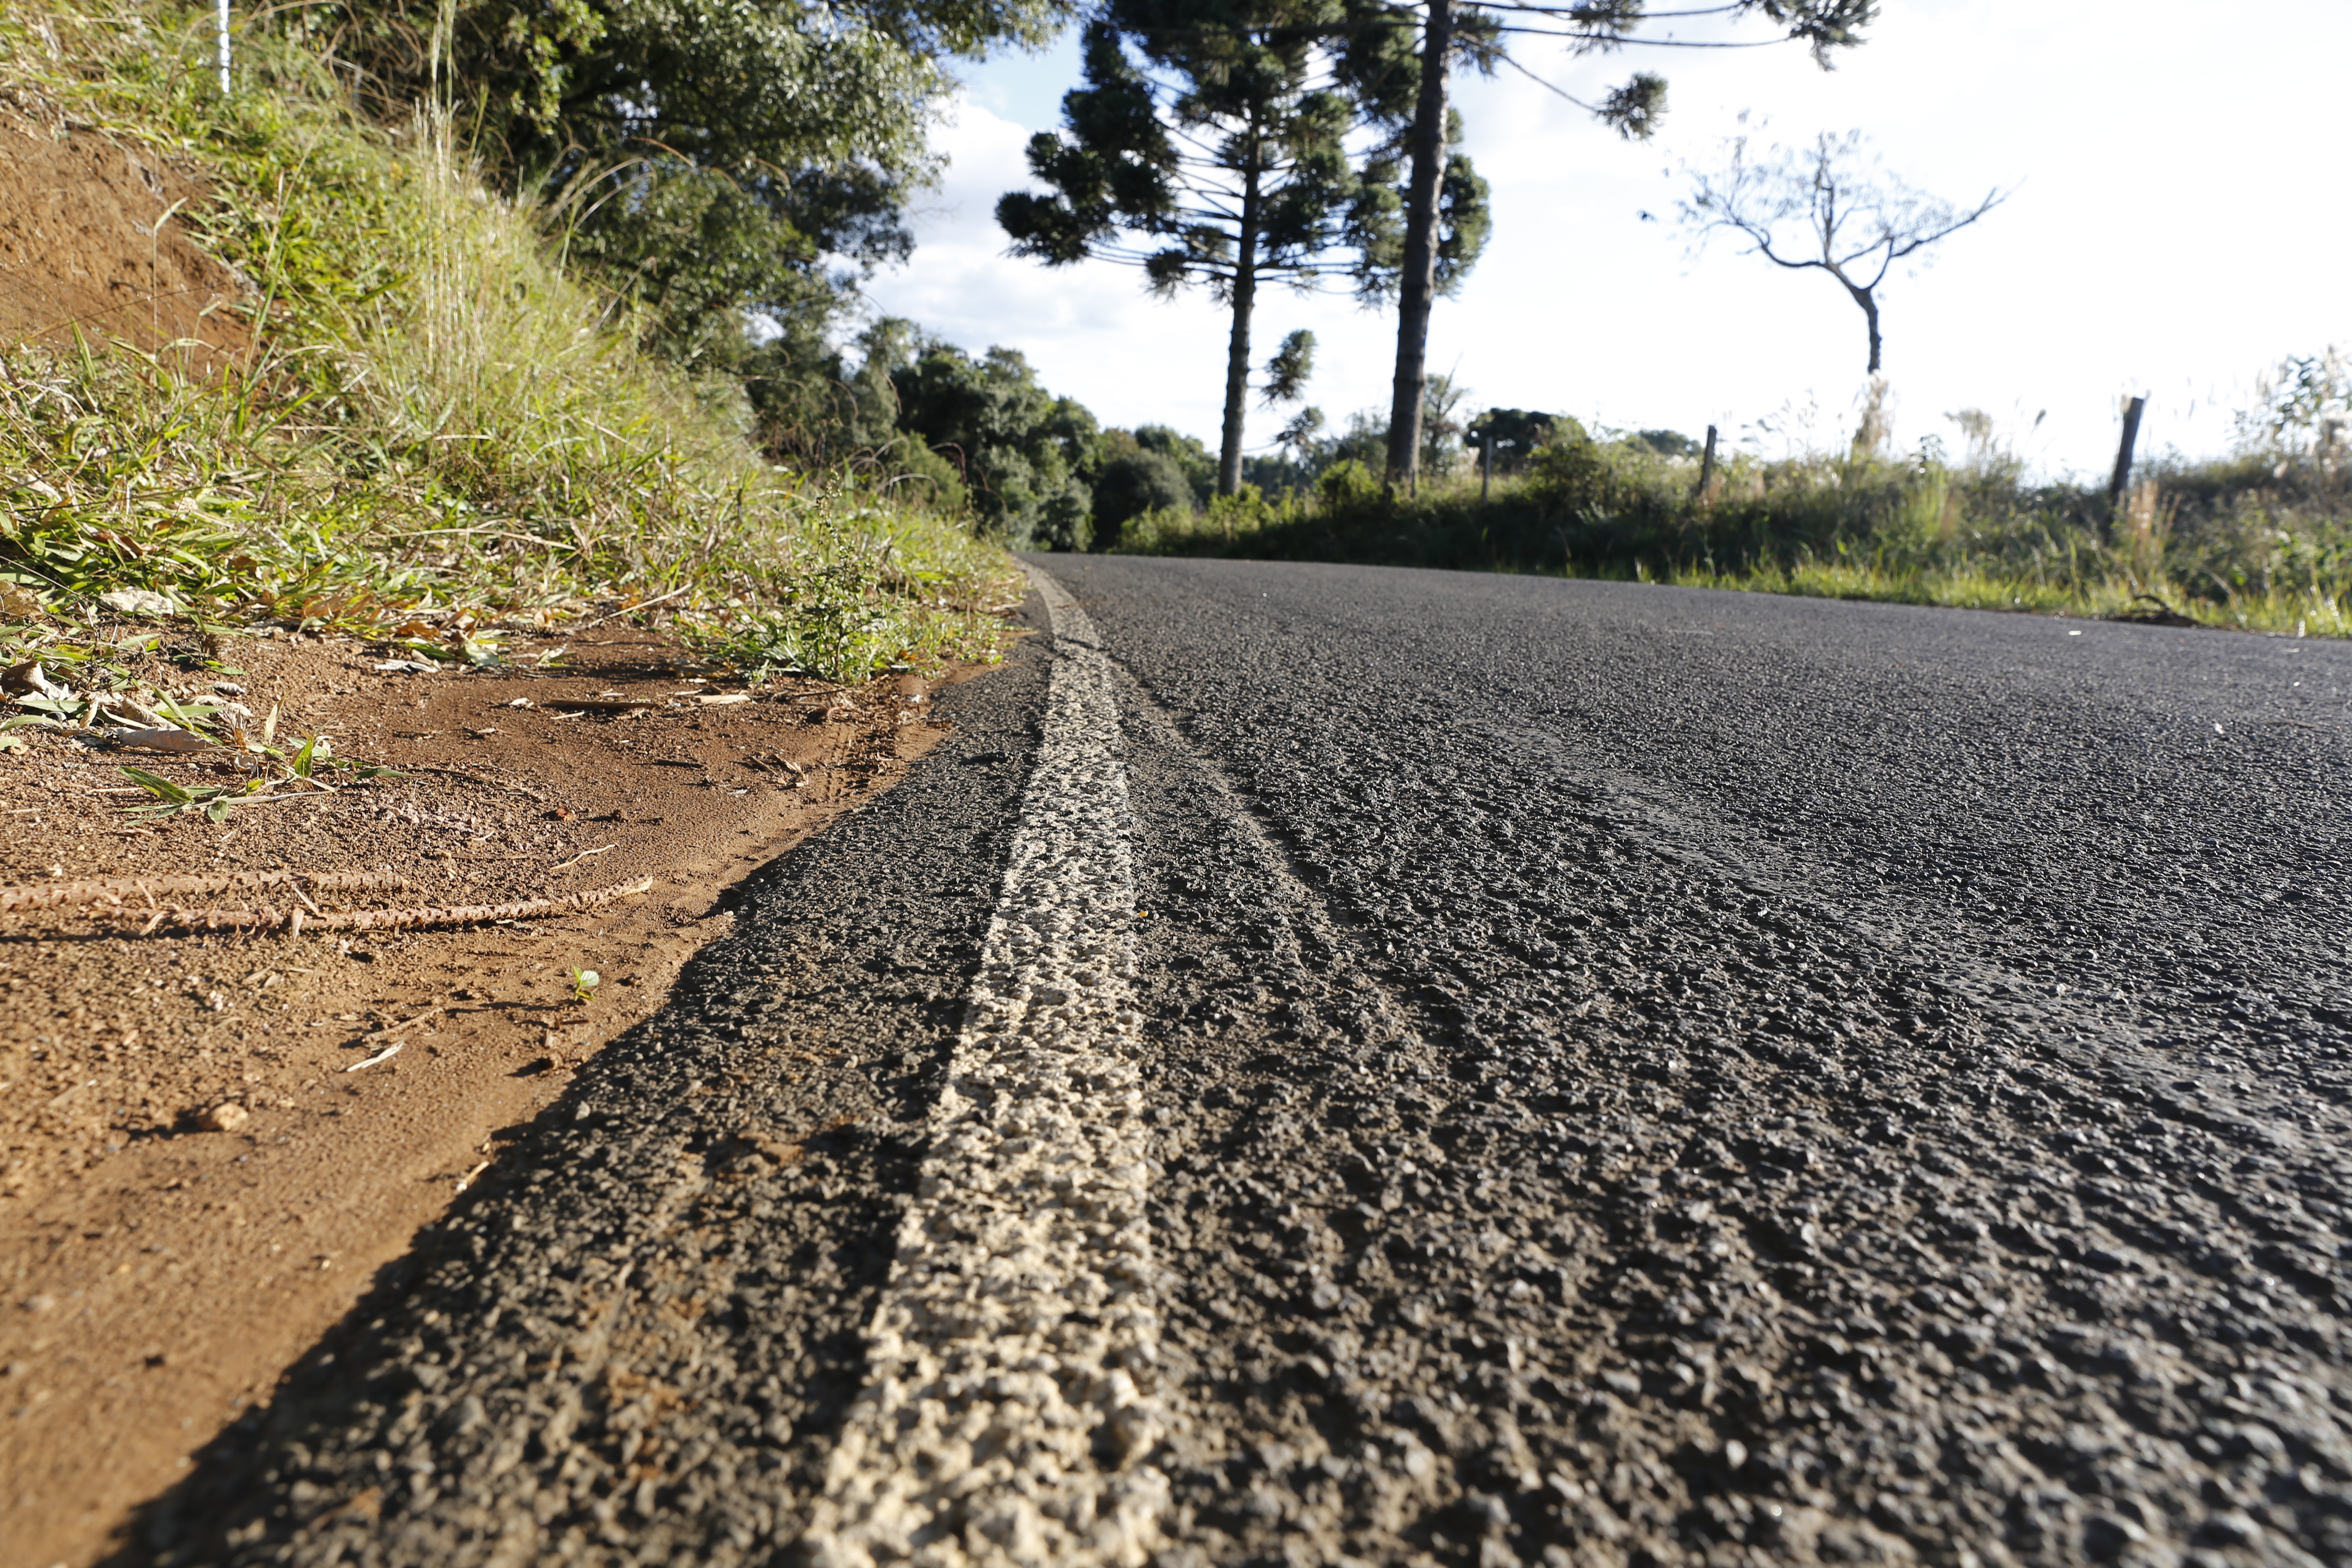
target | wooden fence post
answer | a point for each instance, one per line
(2116, 484)
(1706, 467)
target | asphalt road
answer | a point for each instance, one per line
(1592, 1073)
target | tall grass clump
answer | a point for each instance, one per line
(438, 429)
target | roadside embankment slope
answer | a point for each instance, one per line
(318, 474)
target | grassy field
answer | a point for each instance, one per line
(2261, 541)
(437, 432)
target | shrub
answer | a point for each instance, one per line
(1244, 512)
(1129, 486)
(1348, 486)
(1568, 472)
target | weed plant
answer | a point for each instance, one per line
(2261, 540)
(438, 431)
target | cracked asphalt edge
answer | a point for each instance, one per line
(634, 1340)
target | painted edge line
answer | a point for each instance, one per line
(1011, 1406)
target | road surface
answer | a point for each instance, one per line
(1335, 1065)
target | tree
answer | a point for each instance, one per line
(722, 156)
(1020, 450)
(1301, 435)
(1633, 110)
(1192, 459)
(1441, 432)
(813, 410)
(1513, 433)
(1226, 144)
(1827, 208)
(1669, 443)
(1364, 439)
(1134, 479)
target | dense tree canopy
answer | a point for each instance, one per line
(1134, 481)
(1512, 433)
(1189, 453)
(1023, 453)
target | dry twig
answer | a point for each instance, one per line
(403, 1024)
(115, 890)
(267, 918)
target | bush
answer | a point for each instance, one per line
(1348, 486)
(1242, 513)
(1129, 486)
(1065, 521)
(1568, 472)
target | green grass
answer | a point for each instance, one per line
(441, 435)
(2252, 542)
(1962, 587)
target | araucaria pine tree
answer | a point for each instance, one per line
(1475, 31)
(1228, 144)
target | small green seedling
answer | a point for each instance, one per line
(315, 753)
(584, 984)
(215, 801)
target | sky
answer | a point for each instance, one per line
(2178, 225)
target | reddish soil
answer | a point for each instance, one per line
(91, 238)
(156, 1277)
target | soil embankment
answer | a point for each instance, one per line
(93, 242)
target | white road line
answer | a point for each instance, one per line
(1012, 1357)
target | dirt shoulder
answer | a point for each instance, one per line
(156, 1275)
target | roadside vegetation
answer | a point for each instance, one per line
(439, 429)
(2261, 540)
(507, 362)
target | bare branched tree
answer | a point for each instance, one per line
(1829, 207)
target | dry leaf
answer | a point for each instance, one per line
(165, 740)
(138, 602)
